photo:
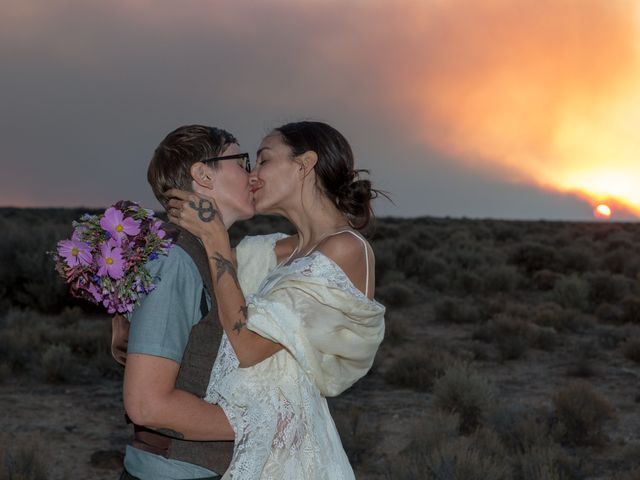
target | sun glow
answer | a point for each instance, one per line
(602, 211)
(559, 110)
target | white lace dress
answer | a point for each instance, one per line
(277, 408)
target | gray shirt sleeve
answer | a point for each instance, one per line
(161, 324)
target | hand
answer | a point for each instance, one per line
(196, 213)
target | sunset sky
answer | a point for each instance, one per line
(519, 109)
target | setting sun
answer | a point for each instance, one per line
(602, 211)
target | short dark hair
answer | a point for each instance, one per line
(339, 181)
(170, 166)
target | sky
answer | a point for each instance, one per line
(517, 109)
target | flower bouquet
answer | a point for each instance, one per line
(104, 261)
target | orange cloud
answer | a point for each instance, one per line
(545, 91)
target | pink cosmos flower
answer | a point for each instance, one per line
(110, 260)
(75, 252)
(117, 225)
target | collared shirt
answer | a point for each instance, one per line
(160, 326)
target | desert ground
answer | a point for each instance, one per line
(512, 351)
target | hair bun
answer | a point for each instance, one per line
(354, 198)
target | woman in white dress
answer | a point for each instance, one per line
(307, 325)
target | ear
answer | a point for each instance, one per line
(202, 175)
(308, 161)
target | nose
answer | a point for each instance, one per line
(253, 178)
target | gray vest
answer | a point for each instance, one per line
(195, 370)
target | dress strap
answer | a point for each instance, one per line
(366, 253)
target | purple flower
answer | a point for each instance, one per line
(75, 252)
(110, 260)
(117, 225)
(156, 228)
(95, 293)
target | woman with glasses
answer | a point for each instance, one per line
(306, 326)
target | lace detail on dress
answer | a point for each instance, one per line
(282, 423)
(318, 265)
(226, 362)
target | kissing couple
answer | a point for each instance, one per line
(230, 359)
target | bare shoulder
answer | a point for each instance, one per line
(345, 248)
(285, 247)
(353, 254)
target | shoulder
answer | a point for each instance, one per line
(176, 263)
(354, 256)
(347, 248)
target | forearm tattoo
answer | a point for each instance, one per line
(240, 324)
(206, 211)
(224, 266)
(170, 433)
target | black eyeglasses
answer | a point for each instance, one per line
(242, 156)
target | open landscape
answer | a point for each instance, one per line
(512, 351)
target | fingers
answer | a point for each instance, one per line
(175, 193)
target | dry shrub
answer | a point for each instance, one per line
(572, 292)
(552, 315)
(543, 338)
(395, 294)
(519, 427)
(58, 363)
(466, 282)
(631, 309)
(582, 413)
(429, 432)
(5, 372)
(464, 392)
(609, 313)
(501, 279)
(545, 462)
(385, 258)
(479, 456)
(584, 353)
(631, 349)
(69, 347)
(23, 459)
(450, 310)
(396, 326)
(532, 257)
(355, 439)
(606, 288)
(610, 337)
(426, 268)
(527, 435)
(617, 260)
(437, 452)
(576, 259)
(630, 475)
(545, 279)
(418, 368)
(510, 335)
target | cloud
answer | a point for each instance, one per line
(477, 93)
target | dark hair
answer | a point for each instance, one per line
(339, 181)
(170, 166)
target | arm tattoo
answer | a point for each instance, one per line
(206, 211)
(240, 324)
(223, 266)
(170, 433)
